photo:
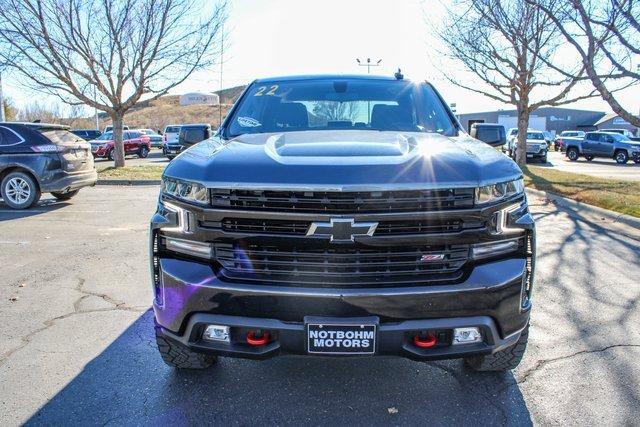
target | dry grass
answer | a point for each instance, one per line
(147, 172)
(616, 195)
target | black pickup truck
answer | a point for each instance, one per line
(342, 216)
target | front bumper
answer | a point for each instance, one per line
(536, 153)
(189, 295)
(393, 339)
(63, 181)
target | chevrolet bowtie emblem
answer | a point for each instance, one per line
(341, 230)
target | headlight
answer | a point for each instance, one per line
(497, 192)
(543, 146)
(184, 190)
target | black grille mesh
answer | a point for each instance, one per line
(340, 265)
(343, 202)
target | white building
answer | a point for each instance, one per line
(195, 98)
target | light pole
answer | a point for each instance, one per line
(95, 110)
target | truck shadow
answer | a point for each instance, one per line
(129, 384)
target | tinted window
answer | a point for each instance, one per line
(346, 104)
(194, 135)
(592, 136)
(607, 138)
(172, 129)
(134, 134)
(59, 136)
(488, 134)
(8, 137)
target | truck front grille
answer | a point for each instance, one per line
(384, 228)
(338, 265)
(343, 202)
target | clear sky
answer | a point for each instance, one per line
(281, 37)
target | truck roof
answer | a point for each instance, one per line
(326, 77)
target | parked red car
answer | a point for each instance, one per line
(134, 143)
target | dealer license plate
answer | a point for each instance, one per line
(323, 338)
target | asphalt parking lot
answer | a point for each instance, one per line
(77, 345)
(599, 167)
(155, 157)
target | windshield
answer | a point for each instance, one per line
(172, 129)
(345, 104)
(535, 135)
(107, 136)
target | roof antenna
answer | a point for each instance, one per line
(398, 75)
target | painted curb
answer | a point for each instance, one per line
(579, 207)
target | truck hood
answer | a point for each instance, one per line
(341, 160)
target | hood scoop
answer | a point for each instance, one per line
(346, 150)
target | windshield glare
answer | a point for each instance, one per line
(349, 104)
(535, 135)
(107, 136)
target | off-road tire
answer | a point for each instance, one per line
(573, 154)
(179, 356)
(64, 196)
(502, 360)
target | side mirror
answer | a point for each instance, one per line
(493, 137)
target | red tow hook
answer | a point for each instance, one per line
(427, 342)
(257, 338)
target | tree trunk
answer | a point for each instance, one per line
(118, 145)
(523, 125)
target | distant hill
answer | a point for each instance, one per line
(167, 110)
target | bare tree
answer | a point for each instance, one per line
(9, 110)
(123, 50)
(509, 47)
(606, 36)
(40, 111)
(334, 110)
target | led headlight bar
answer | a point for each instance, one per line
(497, 192)
(188, 191)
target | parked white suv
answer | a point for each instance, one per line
(537, 146)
